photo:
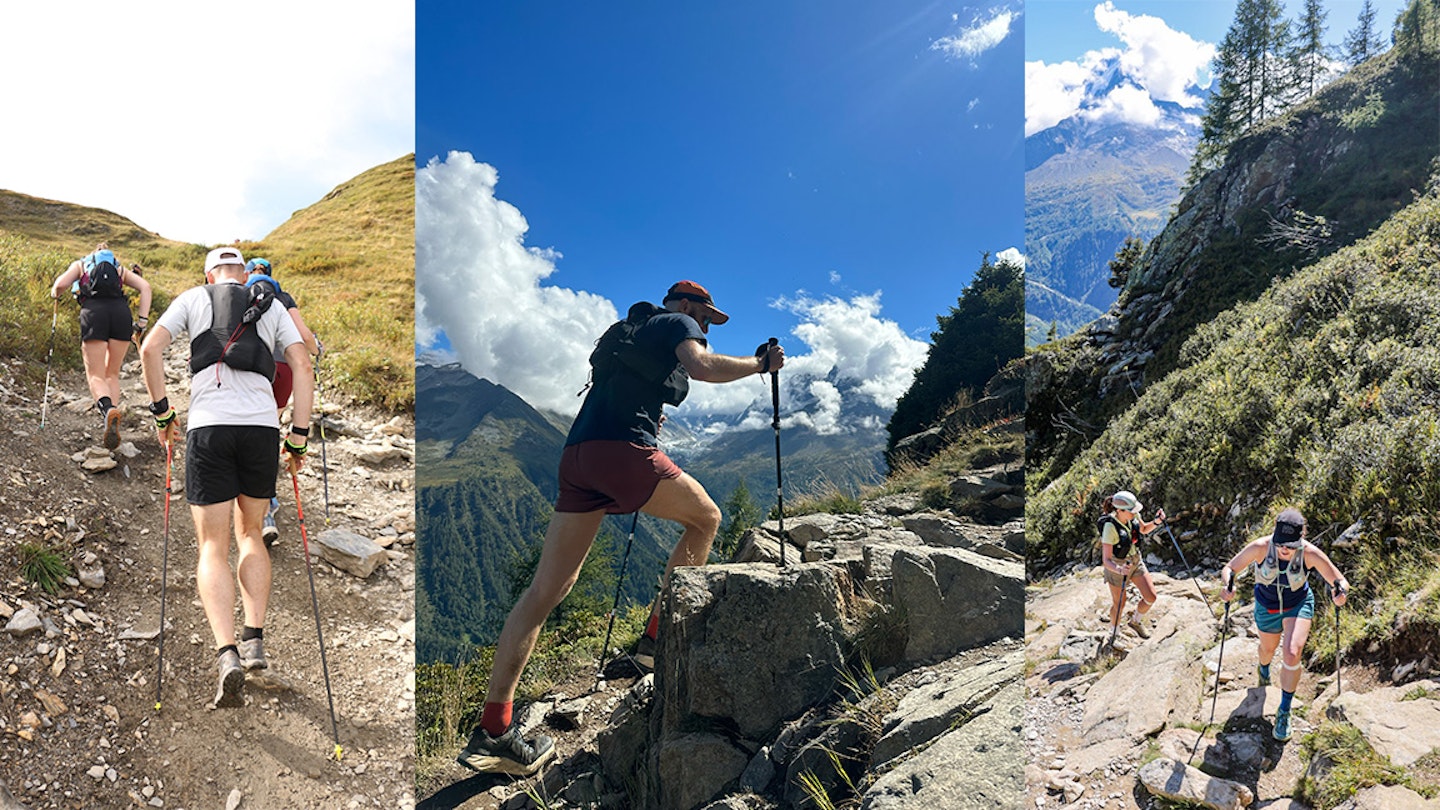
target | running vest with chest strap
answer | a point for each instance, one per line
(232, 337)
(1269, 572)
(1129, 536)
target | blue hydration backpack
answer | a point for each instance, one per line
(99, 276)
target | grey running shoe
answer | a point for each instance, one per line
(1263, 678)
(1140, 624)
(507, 753)
(270, 533)
(252, 654)
(232, 679)
(111, 439)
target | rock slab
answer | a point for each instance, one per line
(1177, 781)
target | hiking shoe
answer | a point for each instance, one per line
(1260, 673)
(252, 654)
(270, 533)
(645, 654)
(507, 753)
(1140, 625)
(111, 439)
(1282, 725)
(232, 679)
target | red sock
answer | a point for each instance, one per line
(653, 627)
(496, 718)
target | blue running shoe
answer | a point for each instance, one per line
(1282, 725)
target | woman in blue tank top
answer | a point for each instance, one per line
(1284, 602)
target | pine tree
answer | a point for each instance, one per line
(1310, 53)
(742, 515)
(1125, 260)
(982, 333)
(1254, 81)
(1363, 41)
(1417, 32)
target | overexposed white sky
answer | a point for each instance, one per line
(202, 122)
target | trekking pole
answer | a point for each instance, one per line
(314, 603)
(775, 411)
(320, 414)
(1190, 571)
(45, 402)
(164, 574)
(1119, 611)
(1220, 659)
(1337, 645)
(619, 582)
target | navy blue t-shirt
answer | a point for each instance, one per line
(625, 408)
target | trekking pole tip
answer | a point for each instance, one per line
(157, 705)
(338, 752)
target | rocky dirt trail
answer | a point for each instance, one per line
(1115, 731)
(78, 722)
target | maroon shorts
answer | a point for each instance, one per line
(616, 476)
(284, 383)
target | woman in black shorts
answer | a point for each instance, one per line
(106, 328)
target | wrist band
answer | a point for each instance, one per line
(160, 406)
(299, 431)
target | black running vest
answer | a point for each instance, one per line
(244, 351)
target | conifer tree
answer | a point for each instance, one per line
(1417, 31)
(1310, 54)
(1363, 41)
(984, 331)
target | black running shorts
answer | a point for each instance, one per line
(105, 319)
(223, 461)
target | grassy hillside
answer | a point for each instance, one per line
(1323, 394)
(365, 317)
(1354, 154)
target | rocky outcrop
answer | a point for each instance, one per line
(879, 667)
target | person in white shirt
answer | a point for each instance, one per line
(230, 444)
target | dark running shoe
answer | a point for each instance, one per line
(507, 753)
(645, 654)
(232, 680)
(252, 654)
(111, 439)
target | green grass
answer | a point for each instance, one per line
(1349, 766)
(450, 697)
(44, 566)
(349, 260)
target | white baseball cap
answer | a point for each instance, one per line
(1124, 499)
(223, 255)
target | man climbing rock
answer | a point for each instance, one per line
(612, 464)
(230, 445)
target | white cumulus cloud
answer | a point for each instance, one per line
(476, 280)
(984, 32)
(1109, 85)
(479, 283)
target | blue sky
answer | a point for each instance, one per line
(203, 122)
(831, 167)
(1162, 45)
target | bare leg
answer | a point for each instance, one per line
(94, 353)
(1147, 593)
(114, 359)
(1268, 643)
(567, 541)
(684, 501)
(214, 580)
(254, 562)
(1297, 632)
(1117, 604)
